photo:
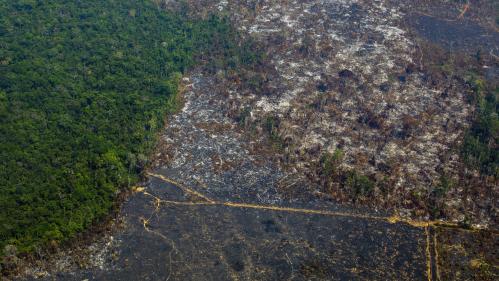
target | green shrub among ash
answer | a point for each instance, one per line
(481, 142)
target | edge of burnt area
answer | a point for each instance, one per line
(73, 248)
(99, 231)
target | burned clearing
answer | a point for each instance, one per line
(337, 156)
(384, 86)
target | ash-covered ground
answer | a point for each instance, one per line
(238, 189)
(358, 79)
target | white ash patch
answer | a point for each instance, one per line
(222, 5)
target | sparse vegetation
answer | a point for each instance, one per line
(272, 128)
(330, 162)
(358, 184)
(480, 146)
(351, 181)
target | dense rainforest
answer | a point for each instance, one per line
(84, 88)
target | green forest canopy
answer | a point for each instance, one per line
(84, 87)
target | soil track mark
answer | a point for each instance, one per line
(209, 201)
